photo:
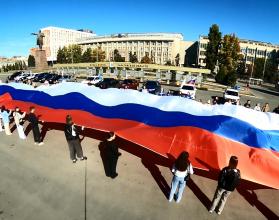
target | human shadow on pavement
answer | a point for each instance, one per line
(109, 158)
(48, 126)
(245, 189)
(28, 129)
(158, 177)
(150, 160)
(103, 154)
(13, 128)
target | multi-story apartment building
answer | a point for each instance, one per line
(161, 47)
(250, 50)
(56, 38)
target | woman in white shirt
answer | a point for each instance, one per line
(181, 169)
(18, 118)
(258, 107)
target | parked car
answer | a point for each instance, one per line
(153, 87)
(188, 90)
(54, 79)
(46, 77)
(108, 83)
(231, 94)
(14, 75)
(129, 84)
(39, 77)
(92, 80)
(22, 77)
(173, 93)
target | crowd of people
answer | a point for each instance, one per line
(182, 168)
(265, 108)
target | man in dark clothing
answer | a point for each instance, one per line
(72, 137)
(247, 104)
(112, 155)
(229, 178)
(276, 110)
(34, 121)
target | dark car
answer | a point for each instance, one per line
(39, 77)
(108, 83)
(14, 75)
(129, 84)
(174, 93)
(46, 77)
(54, 79)
(153, 87)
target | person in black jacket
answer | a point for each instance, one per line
(72, 137)
(34, 121)
(276, 110)
(229, 178)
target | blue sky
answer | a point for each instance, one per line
(250, 19)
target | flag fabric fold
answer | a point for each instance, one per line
(165, 125)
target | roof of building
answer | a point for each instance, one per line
(255, 42)
(68, 29)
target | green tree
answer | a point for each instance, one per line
(212, 48)
(117, 57)
(258, 68)
(230, 78)
(75, 53)
(87, 56)
(177, 59)
(241, 70)
(146, 59)
(62, 55)
(31, 61)
(221, 75)
(98, 55)
(168, 63)
(229, 56)
(133, 57)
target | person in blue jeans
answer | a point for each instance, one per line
(182, 169)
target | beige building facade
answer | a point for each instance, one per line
(160, 47)
(250, 50)
(56, 38)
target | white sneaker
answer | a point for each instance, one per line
(41, 143)
(210, 211)
(218, 213)
(35, 143)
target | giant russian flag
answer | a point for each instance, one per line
(166, 125)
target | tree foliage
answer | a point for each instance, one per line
(213, 46)
(74, 54)
(98, 55)
(19, 65)
(146, 59)
(87, 56)
(229, 57)
(31, 61)
(133, 57)
(117, 56)
(177, 59)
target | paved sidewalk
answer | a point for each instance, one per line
(41, 183)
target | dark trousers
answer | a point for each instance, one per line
(75, 149)
(36, 133)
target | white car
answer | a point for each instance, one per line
(92, 80)
(231, 94)
(188, 90)
(22, 76)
